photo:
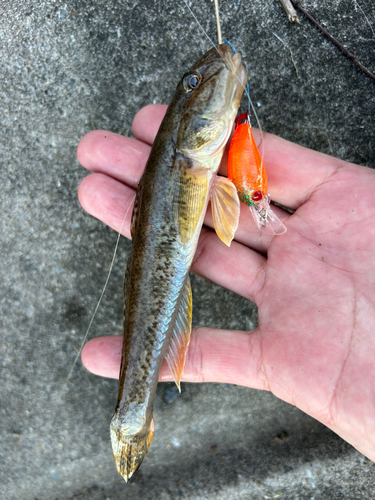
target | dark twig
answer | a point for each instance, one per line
(336, 42)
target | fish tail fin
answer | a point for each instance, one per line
(130, 451)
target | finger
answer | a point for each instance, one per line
(147, 121)
(119, 157)
(224, 356)
(237, 268)
(108, 200)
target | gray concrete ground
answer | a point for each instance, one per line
(68, 67)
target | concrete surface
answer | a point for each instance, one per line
(68, 67)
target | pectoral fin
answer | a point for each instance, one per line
(225, 207)
(181, 335)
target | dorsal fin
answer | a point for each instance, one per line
(181, 335)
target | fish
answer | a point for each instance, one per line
(248, 173)
(179, 180)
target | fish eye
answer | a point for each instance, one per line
(191, 82)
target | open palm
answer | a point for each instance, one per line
(314, 285)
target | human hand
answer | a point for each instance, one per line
(314, 346)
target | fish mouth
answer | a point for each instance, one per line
(237, 69)
(231, 58)
(233, 62)
(240, 74)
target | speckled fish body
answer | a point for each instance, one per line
(171, 201)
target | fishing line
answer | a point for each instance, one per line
(247, 88)
(102, 294)
(201, 27)
(367, 19)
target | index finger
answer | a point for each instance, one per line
(121, 158)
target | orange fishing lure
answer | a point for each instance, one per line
(247, 172)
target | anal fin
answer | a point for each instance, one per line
(225, 206)
(181, 335)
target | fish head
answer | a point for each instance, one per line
(210, 93)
